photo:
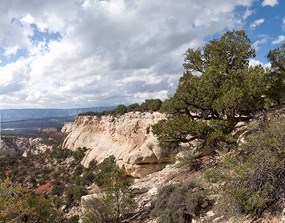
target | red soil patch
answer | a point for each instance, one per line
(44, 189)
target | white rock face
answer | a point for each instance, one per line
(21, 145)
(68, 127)
(128, 138)
(37, 147)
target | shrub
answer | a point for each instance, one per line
(13, 202)
(120, 110)
(189, 161)
(150, 105)
(116, 200)
(79, 154)
(73, 219)
(254, 178)
(74, 194)
(179, 203)
(133, 107)
(45, 210)
(87, 178)
(92, 165)
(60, 154)
(57, 189)
(78, 170)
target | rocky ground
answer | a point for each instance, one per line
(136, 149)
(21, 145)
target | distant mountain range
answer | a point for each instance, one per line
(33, 126)
(7, 115)
(38, 121)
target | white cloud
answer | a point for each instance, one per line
(254, 62)
(13, 77)
(11, 51)
(110, 52)
(28, 19)
(247, 13)
(257, 43)
(280, 39)
(256, 23)
(271, 3)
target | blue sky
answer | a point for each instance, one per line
(81, 53)
(272, 27)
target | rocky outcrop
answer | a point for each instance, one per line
(21, 145)
(128, 138)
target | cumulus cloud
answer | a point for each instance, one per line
(257, 43)
(280, 39)
(271, 3)
(13, 77)
(254, 62)
(256, 23)
(108, 52)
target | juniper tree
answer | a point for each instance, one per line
(218, 88)
(277, 73)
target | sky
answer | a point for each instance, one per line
(86, 53)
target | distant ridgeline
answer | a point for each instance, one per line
(38, 121)
(8, 115)
(150, 105)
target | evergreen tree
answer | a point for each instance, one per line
(277, 74)
(217, 89)
(116, 200)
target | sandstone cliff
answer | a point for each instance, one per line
(128, 138)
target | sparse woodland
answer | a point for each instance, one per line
(217, 90)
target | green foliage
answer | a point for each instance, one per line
(133, 107)
(276, 74)
(73, 219)
(78, 170)
(149, 105)
(13, 202)
(189, 161)
(60, 154)
(79, 154)
(230, 52)
(179, 203)
(61, 168)
(120, 110)
(44, 210)
(116, 200)
(254, 179)
(208, 105)
(184, 129)
(92, 165)
(173, 131)
(16, 205)
(74, 194)
(58, 189)
(87, 178)
(89, 113)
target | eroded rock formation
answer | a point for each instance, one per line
(128, 138)
(21, 145)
